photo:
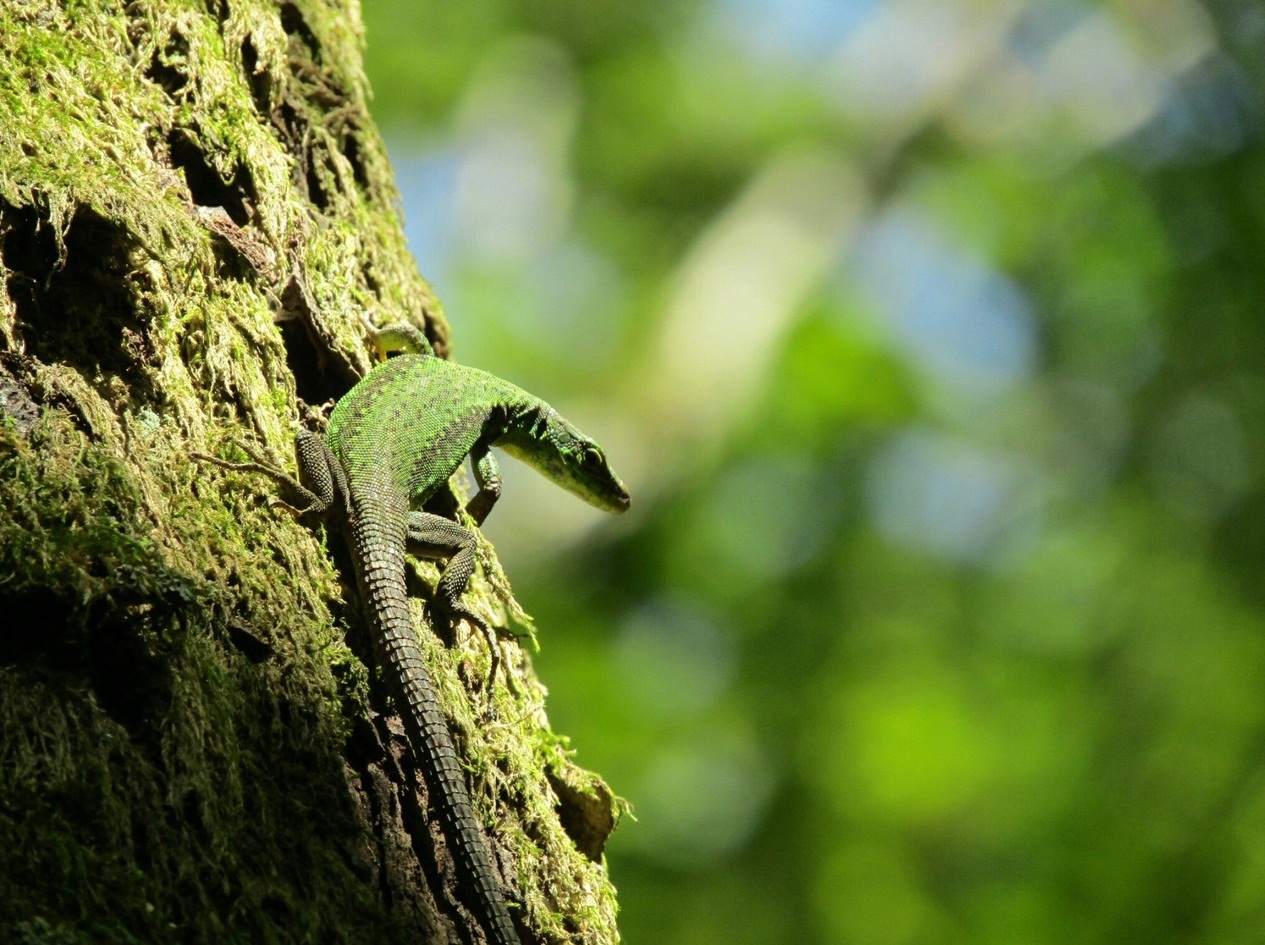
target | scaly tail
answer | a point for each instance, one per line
(378, 535)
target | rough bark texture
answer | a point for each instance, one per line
(195, 215)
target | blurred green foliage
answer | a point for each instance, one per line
(929, 336)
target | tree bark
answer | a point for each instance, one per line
(196, 218)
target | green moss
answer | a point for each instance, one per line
(152, 778)
(175, 720)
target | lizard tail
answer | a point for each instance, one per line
(378, 541)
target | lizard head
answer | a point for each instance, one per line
(558, 450)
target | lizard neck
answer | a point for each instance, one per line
(528, 424)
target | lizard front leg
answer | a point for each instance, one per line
(436, 538)
(487, 475)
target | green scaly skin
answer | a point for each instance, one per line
(392, 442)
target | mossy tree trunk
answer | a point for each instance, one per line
(196, 219)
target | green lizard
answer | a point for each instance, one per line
(392, 442)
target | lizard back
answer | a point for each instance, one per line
(441, 410)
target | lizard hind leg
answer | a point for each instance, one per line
(436, 538)
(320, 474)
(487, 475)
(400, 337)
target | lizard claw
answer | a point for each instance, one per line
(459, 611)
(293, 511)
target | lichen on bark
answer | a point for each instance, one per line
(196, 219)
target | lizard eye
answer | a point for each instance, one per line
(592, 459)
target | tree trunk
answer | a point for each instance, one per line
(196, 217)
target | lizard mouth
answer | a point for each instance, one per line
(623, 501)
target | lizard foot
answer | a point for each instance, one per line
(459, 611)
